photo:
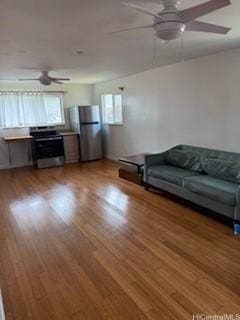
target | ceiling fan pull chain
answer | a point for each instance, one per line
(155, 53)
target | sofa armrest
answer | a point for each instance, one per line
(152, 160)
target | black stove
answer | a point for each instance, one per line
(47, 147)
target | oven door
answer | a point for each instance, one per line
(49, 151)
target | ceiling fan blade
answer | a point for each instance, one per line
(56, 81)
(193, 13)
(206, 27)
(61, 79)
(132, 29)
(141, 9)
(28, 79)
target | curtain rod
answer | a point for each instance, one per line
(32, 91)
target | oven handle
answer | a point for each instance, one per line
(48, 139)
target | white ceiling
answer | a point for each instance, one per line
(39, 34)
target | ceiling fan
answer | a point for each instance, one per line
(46, 79)
(171, 23)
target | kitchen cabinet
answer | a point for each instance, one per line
(71, 147)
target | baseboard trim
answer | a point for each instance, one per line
(3, 167)
(111, 158)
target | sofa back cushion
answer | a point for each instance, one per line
(207, 153)
(222, 169)
(184, 159)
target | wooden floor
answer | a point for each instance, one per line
(79, 243)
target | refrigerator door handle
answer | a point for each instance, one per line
(89, 123)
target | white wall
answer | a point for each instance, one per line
(196, 102)
(77, 94)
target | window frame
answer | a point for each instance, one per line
(114, 123)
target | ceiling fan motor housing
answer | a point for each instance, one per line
(170, 3)
(170, 29)
(45, 80)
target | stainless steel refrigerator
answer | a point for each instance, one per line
(86, 121)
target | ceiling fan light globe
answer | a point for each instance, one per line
(169, 35)
(183, 28)
(170, 30)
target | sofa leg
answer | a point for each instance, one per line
(236, 226)
(146, 187)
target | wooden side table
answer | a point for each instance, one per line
(131, 168)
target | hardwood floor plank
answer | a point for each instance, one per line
(77, 242)
(125, 281)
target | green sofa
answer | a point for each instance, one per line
(207, 177)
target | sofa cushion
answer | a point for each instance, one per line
(212, 188)
(222, 169)
(184, 159)
(207, 153)
(170, 174)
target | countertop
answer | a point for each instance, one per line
(18, 138)
(24, 138)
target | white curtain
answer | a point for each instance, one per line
(19, 110)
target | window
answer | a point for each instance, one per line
(23, 109)
(53, 105)
(112, 109)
